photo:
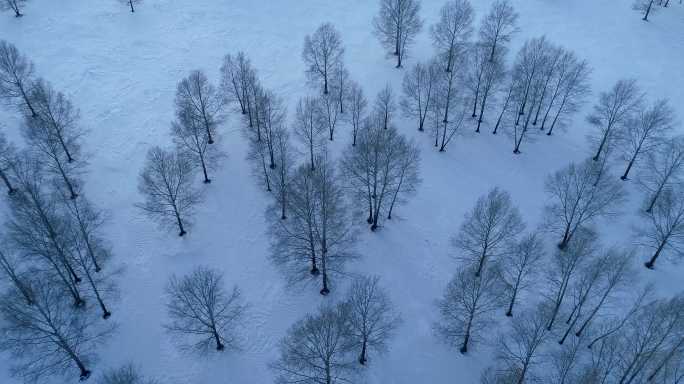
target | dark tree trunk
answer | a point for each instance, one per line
(648, 10)
(629, 167)
(5, 179)
(362, 358)
(651, 263)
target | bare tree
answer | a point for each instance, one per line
(308, 127)
(14, 6)
(58, 118)
(488, 229)
(498, 27)
(131, 3)
(382, 170)
(485, 78)
(647, 338)
(447, 116)
(236, 75)
(272, 112)
(328, 112)
(357, 105)
(646, 132)
(283, 174)
(528, 84)
(616, 278)
(17, 277)
(563, 270)
(578, 198)
(319, 232)
(202, 313)
(371, 315)
(451, 33)
(419, 90)
(47, 338)
(191, 139)
(166, 182)
(612, 112)
(664, 229)
(663, 170)
(572, 95)
(467, 306)
(88, 221)
(644, 6)
(385, 106)
(7, 153)
(48, 149)
(126, 374)
(196, 95)
(323, 51)
(519, 270)
(519, 351)
(564, 363)
(37, 229)
(397, 25)
(16, 75)
(341, 85)
(316, 350)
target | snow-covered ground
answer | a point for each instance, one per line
(121, 70)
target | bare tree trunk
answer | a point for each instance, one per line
(5, 179)
(649, 264)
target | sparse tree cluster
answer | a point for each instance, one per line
(55, 260)
(329, 346)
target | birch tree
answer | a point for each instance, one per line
(520, 269)
(498, 27)
(418, 89)
(663, 231)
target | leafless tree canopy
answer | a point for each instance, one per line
(236, 76)
(371, 315)
(520, 268)
(47, 338)
(202, 313)
(357, 108)
(467, 306)
(612, 112)
(323, 52)
(497, 28)
(397, 25)
(316, 240)
(192, 140)
(663, 170)
(419, 86)
(382, 170)
(16, 76)
(166, 182)
(451, 33)
(646, 132)
(488, 230)
(308, 128)
(7, 154)
(126, 374)
(317, 350)
(579, 195)
(196, 96)
(663, 230)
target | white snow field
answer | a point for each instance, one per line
(121, 70)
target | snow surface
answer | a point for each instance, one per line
(121, 70)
